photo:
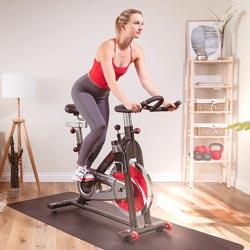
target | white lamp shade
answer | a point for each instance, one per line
(17, 85)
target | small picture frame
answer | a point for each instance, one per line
(202, 36)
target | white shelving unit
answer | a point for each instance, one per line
(207, 113)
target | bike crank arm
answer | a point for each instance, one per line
(94, 191)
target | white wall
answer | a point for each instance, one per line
(241, 50)
(56, 42)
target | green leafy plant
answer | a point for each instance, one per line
(239, 126)
(14, 158)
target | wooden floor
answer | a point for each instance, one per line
(210, 208)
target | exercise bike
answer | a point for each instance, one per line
(120, 177)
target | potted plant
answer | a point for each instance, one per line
(15, 189)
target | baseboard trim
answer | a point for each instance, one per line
(66, 177)
(166, 177)
(242, 186)
(43, 177)
(155, 177)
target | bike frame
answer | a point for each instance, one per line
(131, 151)
(125, 149)
(131, 147)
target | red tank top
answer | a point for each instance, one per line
(96, 73)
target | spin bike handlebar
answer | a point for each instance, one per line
(145, 105)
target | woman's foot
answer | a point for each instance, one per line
(82, 174)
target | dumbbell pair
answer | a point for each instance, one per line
(212, 152)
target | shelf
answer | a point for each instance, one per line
(212, 87)
(212, 112)
(207, 113)
(211, 137)
(210, 162)
(213, 61)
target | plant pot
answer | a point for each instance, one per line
(3, 201)
(14, 193)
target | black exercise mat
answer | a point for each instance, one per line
(102, 232)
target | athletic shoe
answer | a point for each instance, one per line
(82, 174)
(88, 177)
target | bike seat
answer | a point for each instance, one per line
(71, 109)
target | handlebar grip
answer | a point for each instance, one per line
(177, 103)
(121, 109)
(158, 99)
(145, 104)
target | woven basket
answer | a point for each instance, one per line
(209, 129)
(210, 105)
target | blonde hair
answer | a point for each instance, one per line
(124, 17)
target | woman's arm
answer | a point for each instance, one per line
(144, 77)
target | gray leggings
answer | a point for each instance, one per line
(92, 102)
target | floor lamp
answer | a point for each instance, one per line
(19, 86)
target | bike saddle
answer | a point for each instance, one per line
(71, 109)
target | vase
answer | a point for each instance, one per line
(3, 201)
(221, 36)
(14, 193)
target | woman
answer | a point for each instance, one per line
(91, 92)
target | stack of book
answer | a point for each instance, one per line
(209, 84)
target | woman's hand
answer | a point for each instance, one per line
(134, 107)
(169, 105)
